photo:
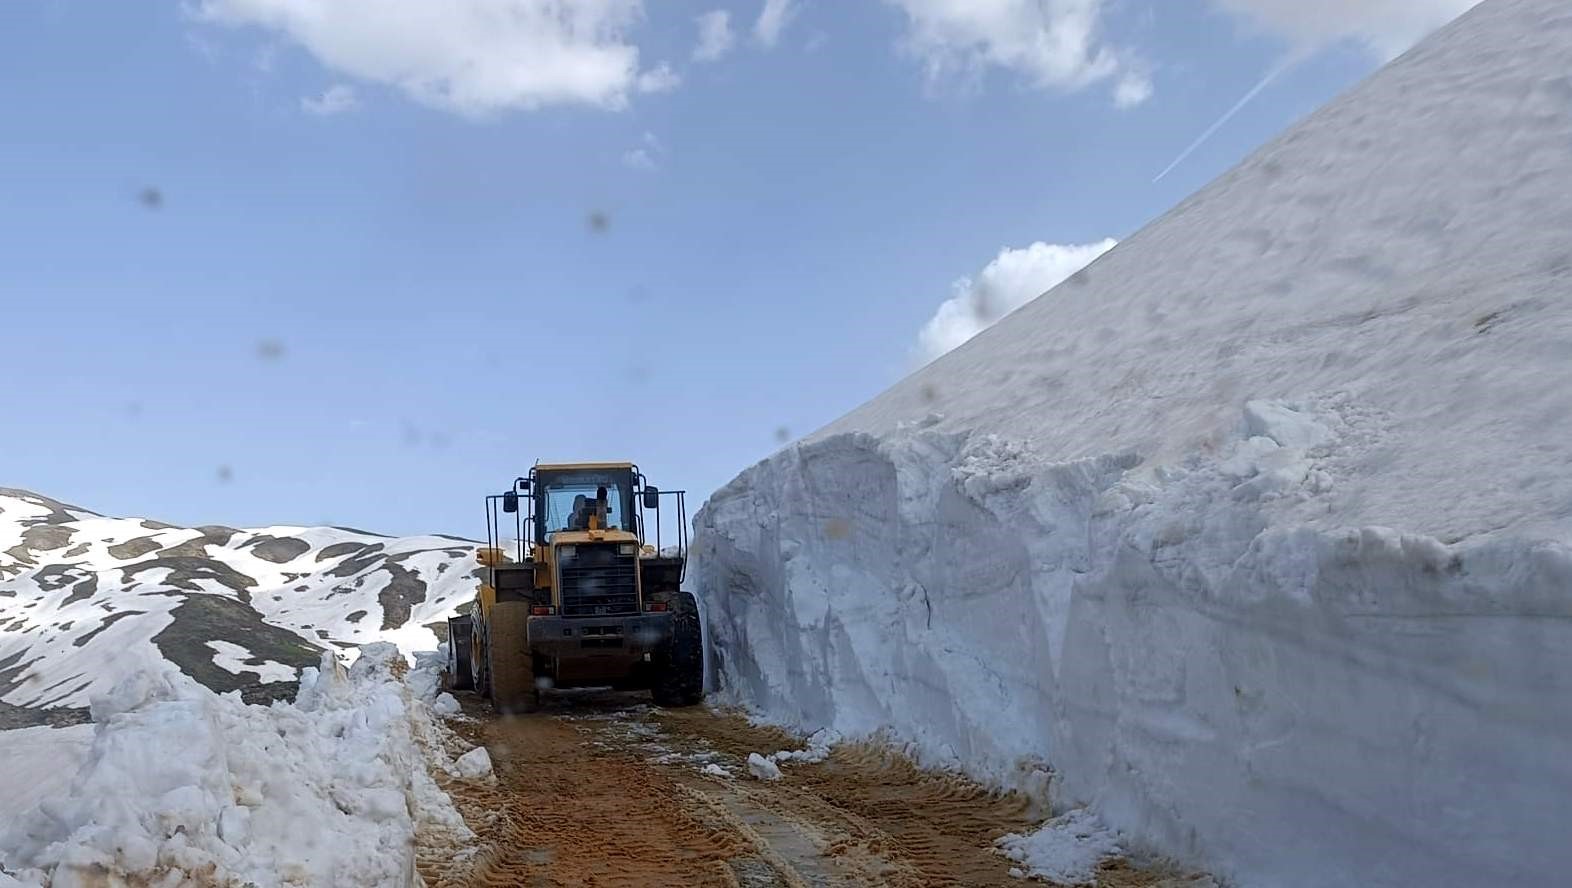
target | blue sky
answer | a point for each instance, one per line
(264, 266)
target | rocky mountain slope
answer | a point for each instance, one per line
(85, 599)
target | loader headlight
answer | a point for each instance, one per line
(628, 549)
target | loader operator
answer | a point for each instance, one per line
(583, 509)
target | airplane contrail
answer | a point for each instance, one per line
(1276, 71)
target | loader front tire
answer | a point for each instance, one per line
(456, 677)
(512, 672)
(457, 674)
(679, 676)
(479, 659)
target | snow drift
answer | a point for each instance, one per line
(182, 785)
(1254, 535)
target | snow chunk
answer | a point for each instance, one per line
(762, 768)
(714, 770)
(474, 764)
(1285, 424)
(818, 749)
(1066, 849)
(446, 705)
(135, 691)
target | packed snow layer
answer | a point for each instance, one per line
(182, 784)
(36, 763)
(1254, 536)
(85, 599)
(1282, 704)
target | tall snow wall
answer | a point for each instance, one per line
(1253, 537)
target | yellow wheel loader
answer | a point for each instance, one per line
(583, 595)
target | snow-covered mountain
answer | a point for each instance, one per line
(86, 599)
(1253, 536)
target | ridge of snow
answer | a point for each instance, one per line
(182, 784)
(1252, 538)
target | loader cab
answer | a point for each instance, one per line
(535, 517)
(568, 500)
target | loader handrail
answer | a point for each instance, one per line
(680, 499)
(523, 520)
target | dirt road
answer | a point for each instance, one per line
(601, 789)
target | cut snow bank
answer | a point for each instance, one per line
(182, 784)
(1253, 537)
(1287, 705)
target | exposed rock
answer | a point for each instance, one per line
(278, 550)
(135, 548)
(59, 513)
(110, 620)
(339, 550)
(220, 534)
(203, 618)
(186, 571)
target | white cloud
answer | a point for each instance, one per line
(1133, 89)
(644, 157)
(715, 37)
(473, 57)
(1012, 279)
(1386, 27)
(336, 99)
(773, 19)
(1055, 44)
(659, 79)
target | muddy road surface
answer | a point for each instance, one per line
(602, 789)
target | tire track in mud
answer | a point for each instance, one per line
(924, 827)
(909, 826)
(566, 810)
(602, 790)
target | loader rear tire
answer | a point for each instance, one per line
(512, 665)
(679, 675)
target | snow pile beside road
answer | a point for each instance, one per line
(1253, 537)
(38, 762)
(1066, 850)
(185, 784)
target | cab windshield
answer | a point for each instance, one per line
(566, 500)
